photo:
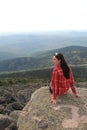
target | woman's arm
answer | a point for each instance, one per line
(55, 84)
(72, 82)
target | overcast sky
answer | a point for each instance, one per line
(42, 15)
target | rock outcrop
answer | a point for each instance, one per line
(70, 112)
(12, 101)
(7, 123)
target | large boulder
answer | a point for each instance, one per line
(70, 112)
(24, 95)
(5, 121)
(15, 114)
(9, 96)
(13, 106)
(2, 100)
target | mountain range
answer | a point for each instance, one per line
(74, 55)
(27, 44)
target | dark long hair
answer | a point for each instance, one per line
(63, 64)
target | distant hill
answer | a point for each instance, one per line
(75, 55)
(25, 45)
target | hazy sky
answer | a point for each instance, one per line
(42, 15)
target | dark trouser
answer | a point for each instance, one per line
(50, 89)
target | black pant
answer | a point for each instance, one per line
(50, 89)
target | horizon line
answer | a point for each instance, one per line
(41, 32)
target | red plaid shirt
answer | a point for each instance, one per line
(60, 84)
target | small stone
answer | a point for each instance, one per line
(43, 124)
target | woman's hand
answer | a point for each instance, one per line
(53, 101)
(78, 95)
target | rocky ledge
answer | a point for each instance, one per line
(70, 112)
(12, 101)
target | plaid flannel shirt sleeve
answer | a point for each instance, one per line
(72, 82)
(55, 84)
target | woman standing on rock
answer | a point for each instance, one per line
(62, 78)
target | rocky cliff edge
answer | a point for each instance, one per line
(70, 113)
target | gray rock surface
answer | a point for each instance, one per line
(70, 112)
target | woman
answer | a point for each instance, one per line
(62, 78)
